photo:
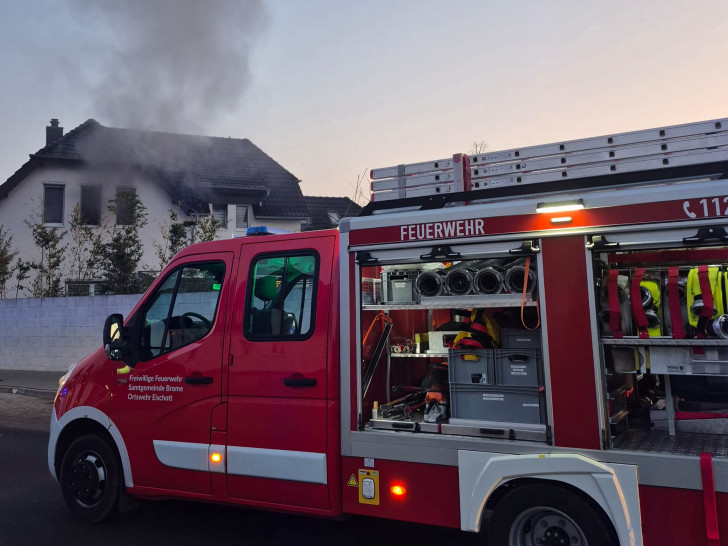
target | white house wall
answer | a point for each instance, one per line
(25, 200)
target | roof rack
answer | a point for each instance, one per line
(681, 151)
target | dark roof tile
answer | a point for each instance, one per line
(187, 165)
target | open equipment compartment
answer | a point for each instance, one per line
(665, 353)
(446, 346)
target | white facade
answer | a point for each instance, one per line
(25, 202)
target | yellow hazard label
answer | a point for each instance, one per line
(368, 486)
(352, 482)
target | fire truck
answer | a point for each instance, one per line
(531, 344)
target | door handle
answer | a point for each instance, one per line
(198, 380)
(299, 382)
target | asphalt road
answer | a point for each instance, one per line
(33, 513)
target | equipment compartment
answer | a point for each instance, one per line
(665, 355)
(446, 349)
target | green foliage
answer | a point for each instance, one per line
(123, 249)
(7, 254)
(204, 229)
(86, 248)
(22, 273)
(174, 239)
(47, 282)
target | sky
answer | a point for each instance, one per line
(333, 88)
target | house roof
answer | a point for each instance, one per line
(193, 169)
(325, 212)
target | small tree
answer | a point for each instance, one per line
(205, 229)
(174, 239)
(479, 146)
(7, 254)
(123, 250)
(362, 181)
(22, 273)
(86, 247)
(47, 283)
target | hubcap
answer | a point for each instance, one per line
(542, 526)
(87, 479)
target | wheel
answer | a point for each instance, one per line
(91, 479)
(546, 515)
(202, 319)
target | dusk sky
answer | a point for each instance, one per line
(331, 89)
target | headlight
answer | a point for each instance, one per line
(65, 376)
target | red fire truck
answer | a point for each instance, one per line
(531, 344)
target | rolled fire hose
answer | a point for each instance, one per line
(489, 280)
(459, 282)
(430, 283)
(515, 277)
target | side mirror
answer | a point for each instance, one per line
(113, 338)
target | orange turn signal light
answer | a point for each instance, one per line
(216, 457)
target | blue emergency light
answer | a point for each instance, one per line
(265, 230)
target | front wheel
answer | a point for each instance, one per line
(90, 479)
(546, 515)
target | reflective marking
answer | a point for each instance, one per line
(299, 466)
(182, 454)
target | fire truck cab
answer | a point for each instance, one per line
(539, 336)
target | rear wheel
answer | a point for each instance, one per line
(546, 515)
(90, 479)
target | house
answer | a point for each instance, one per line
(230, 179)
(325, 212)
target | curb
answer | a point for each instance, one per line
(28, 391)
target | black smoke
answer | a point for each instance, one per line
(169, 65)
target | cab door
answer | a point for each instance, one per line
(278, 413)
(162, 405)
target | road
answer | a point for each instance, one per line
(33, 513)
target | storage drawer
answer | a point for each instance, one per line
(508, 404)
(697, 360)
(518, 368)
(515, 338)
(471, 367)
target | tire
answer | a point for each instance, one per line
(91, 479)
(547, 515)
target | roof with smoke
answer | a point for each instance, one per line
(193, 169)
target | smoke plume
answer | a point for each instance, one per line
(171, 65)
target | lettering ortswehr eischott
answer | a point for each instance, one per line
(442, 230)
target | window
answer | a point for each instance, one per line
(219, 213)
(281, 298)
(91, 205)
(53, 204)
(125, 206)
(333, 217)
(182, 309)
(241, 217)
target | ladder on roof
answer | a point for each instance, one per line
(689, 150)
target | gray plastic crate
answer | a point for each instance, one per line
(515, 338)
(398, 286)
(518, 367)
(471, 367)
(487, 403)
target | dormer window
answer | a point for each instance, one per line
(333, 217)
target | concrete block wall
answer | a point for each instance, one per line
(50, 334)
